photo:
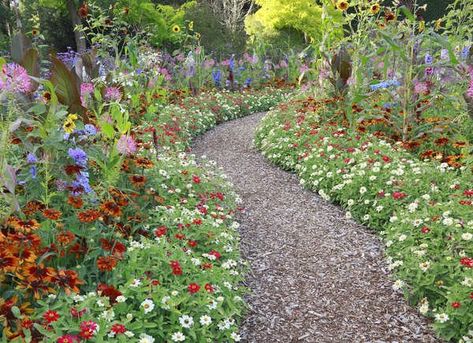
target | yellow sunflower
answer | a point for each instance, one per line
(374, 9)
(176, 29)
(438, 24)
(191, 26)
(342, 5)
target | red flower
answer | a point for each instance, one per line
(209, 288)
(106, 263)
(118, 329)
(51, 316)
(193, 288)
(399, 195)
(77, 314)
(160, 231)
(425, 229)
(109, 291)
(216, 254)
(67, 339)
(196, 179)
(192, 244)
(176, 267)
(88, 329)
(456, 304)
(468, 193)
(467, 262)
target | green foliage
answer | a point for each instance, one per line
(157, 20)
(304, 16)
(215, 37)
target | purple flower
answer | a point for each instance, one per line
(31, 158)
(79, 156)
(126, 145)
(14, 78)
(113, 94)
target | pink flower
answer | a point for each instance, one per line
(14, 78)
(113, 93)
(126, 145)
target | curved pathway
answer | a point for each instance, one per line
(315, 276)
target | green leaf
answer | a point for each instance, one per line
(30, 62)
(407, 13)
(67, 86)
(16, 312)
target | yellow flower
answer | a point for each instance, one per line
(197, 35)
(374, 9)
(69, 126)
(342, 5)
(438, 24)
(72, 117)
(191, 26)
(176, 29)
(421, 25)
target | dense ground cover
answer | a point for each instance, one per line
(423, 209)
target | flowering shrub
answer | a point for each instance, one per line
(423, 209)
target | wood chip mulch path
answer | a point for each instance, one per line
(315, 276)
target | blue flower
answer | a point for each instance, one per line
(217, 77)
(78, 155)
(82, 182)
(33, 172)
(465, 52)
(385, 84)
(31, 158)
(90, 130)
(428, 59)
(248, 82)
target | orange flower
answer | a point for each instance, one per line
(25, 226)
(389, 16)
(441, 141)
(88, 216)
(8, 262)
(32, 207)
(138, 180)
(111, 208)
(459, 144)
(65, 237)
(83, 10)
(75, 202)
(68, 280)
(72, 169)
(143, 162)
(106, 263)
(52, 214)
(118, 196)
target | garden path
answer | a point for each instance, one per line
(315, 276)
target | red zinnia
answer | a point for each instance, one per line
(51, 316)
(425, 229)
(193, 288)
(67, 339)
(196, 179)
(160, 231)
(399, 195)
(209, 288)
(118, 329)
(467, 262)
(456, 304)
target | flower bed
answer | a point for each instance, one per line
(122, 239)
(422, 209)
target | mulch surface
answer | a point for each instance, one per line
(315, 276)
